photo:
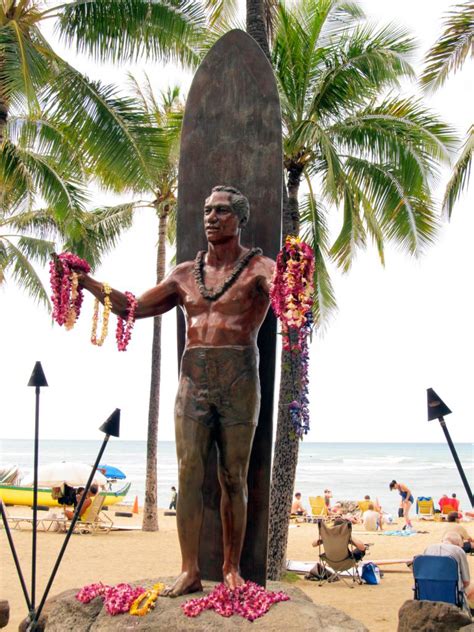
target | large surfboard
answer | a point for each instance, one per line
(232, 135)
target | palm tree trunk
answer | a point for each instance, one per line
(285, 457)
(256, 25)
(150, 510)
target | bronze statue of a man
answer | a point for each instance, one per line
(224, 294)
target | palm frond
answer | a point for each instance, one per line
(23, 272)
(352, 235)
(453, 47)
(129, 29)
(461, 173)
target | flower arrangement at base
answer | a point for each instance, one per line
(291, 297)
(250, 601)
(66, 293)
(117, 599)
(124, 329)
(105, 318)
(146, 601)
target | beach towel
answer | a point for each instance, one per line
(405, 532)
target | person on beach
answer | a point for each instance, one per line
(406, 501)
(224, 294)
(87, 503)
(454, 527)
(358, 549)
(297, 506)
(451, 546)
(327, 498)
(174, 498)
(371, 519)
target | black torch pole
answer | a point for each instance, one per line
(35, 500)
(467, 487)
(111, 424)
(14, 555)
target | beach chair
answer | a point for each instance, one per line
(337, 558)
(437, 579)
(94, 520)
(447, 509)
(425, 507)
(318, 507)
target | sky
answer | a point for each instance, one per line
(399, 329)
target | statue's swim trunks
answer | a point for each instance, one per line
(219, 385)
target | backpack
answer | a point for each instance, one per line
(370, 573)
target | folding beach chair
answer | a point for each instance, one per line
(337, 557)
(425, 507)
(437, 579)
(94, 520)
(318, 507)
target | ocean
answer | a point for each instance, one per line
(350, 470)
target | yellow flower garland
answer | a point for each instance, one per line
(105, 317)
(150, 597)
(71, 315)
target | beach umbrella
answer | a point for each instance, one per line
(111, 472)
(70, 472)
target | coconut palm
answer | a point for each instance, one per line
(357, 148)
(444, 58)
(156, 190)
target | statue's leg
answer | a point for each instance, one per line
(235, 445)
(193, 441)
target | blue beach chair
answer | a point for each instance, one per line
(437, 579)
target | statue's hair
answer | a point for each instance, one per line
(239, 203)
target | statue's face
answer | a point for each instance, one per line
(220, 221)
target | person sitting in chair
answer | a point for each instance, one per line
(358, 548)
(451, 546)
(87, 503)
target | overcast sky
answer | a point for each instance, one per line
(399, 330)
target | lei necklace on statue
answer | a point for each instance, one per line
(67, 297)
(291, 296)
(66, 293)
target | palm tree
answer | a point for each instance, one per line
(444, 58)
(356, 148)
(158, 185)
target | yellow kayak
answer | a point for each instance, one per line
(15, 495)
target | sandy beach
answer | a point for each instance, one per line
(132, 555)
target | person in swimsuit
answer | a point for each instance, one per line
(406, 502)
(224, 294)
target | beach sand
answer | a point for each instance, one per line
(123, 556)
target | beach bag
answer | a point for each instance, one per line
(370, 573)
(318, 572)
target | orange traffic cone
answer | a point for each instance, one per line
(135, 505)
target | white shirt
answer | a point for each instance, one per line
(370, 518)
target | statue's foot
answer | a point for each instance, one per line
(232, 579)
(183, 585)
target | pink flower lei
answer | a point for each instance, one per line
(117, 599)
(66, 303)
(291, 297)
(250, 601)
(124, 329)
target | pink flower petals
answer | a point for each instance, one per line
(124, 330)
(61, 286)
(117, 599)
(250, 601)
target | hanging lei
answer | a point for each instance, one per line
(250, 601)
(214, 295)
(105, 318)
(123, 332)
(291, 297)
(150, 596)
(117, 599)
(66, 294)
